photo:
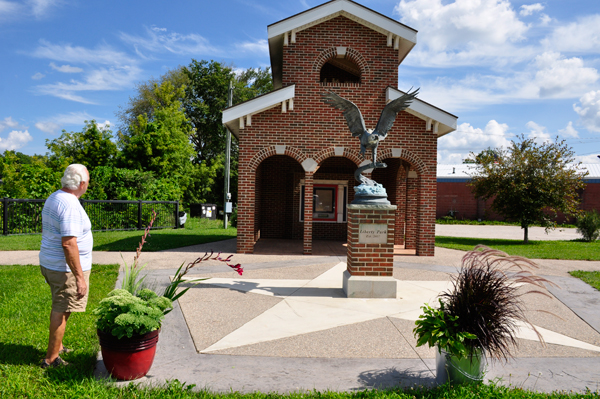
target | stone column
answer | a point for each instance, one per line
(370, 252)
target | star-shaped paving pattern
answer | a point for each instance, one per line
(320, 304)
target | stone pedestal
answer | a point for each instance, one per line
(370, 252)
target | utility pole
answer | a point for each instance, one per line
(227, 194)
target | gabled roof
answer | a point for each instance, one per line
(239, 116)
(440, 121)
(281, 33)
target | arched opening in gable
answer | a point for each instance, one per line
(340, 70)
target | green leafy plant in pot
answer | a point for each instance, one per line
(130, 318)
(479, 316)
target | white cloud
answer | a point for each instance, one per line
(39, 8)
(569, 131)
(589, 110)
(105, 125)
(464, 32)
(8, 122)
(65, 68)
(15, 140)
(54, 124)
(103, 54)
(259, 46)
(9, 8)
(48, 127)
(110, 70)
(456, 146)
(558, 75)
(538, 133)
(593, 158)
(545, 20)
(580, 36)
(549, 75)
(158, 40)
(38, 76)
(528, 9)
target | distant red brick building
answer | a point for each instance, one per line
(454, 196)
(296, 154)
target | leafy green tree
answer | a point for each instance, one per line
(143, 102)
(92, 147)
(36, 179)
(206, 91)
(111, 183)
(160, 142)
(207, 96)
(530, 182)
(484, 154)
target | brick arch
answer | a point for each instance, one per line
(330, 152)
(351, 54)
(267, 152)
(406, 155)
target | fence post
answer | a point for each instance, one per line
(140, 215)
(5, 216)
(177, 214)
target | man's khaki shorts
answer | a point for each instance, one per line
(64, 290)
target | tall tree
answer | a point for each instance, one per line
(206, 97)
(141, 103)
(206, 89)
(529, 182)
(92, 147)
(160, 142)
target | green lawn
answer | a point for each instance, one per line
(24, 310)
(568, 250)
(592, 278)
(196, 231)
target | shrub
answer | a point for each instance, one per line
(589, 226)
(122, 314)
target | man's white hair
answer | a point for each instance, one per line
(74, 175)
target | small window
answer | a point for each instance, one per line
(340, 70)
(324, 201)
(329, 202)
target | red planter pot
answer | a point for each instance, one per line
(128, 358)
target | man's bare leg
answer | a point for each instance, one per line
(58, 323)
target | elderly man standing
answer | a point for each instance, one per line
(66, 256)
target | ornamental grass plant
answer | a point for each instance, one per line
(484, 307)
(135, 309)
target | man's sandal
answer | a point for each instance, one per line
(65, 350)
(56, 363)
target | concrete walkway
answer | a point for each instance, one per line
(285, 325)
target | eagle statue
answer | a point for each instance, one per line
(369, 138)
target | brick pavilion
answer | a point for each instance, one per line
(296, 155)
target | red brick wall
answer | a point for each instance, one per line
(370, 259)
(458, 197)
(313, 128)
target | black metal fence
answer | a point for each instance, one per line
(24, 216)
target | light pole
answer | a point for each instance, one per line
(227, 194)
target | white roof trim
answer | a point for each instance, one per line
(232, 115)
(427, 112)
(348, 9)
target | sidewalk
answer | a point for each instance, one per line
(285, 325)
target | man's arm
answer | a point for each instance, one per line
(71, 249)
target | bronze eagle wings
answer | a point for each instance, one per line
(369, 138)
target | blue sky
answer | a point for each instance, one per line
(503, 67)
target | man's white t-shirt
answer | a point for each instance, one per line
(63, 216)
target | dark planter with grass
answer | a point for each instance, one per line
(478, 316)
(128, 358)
